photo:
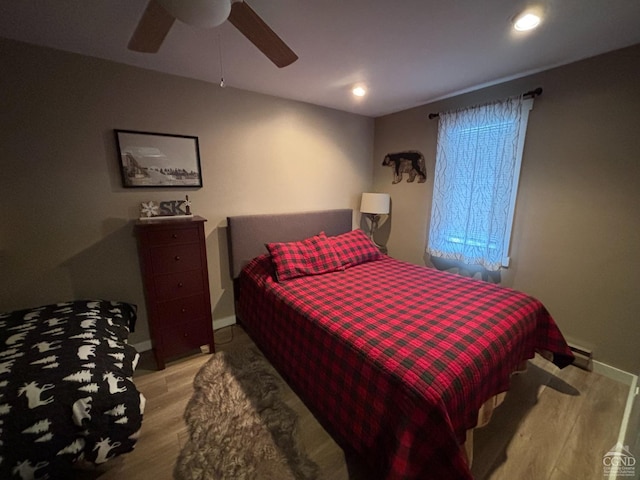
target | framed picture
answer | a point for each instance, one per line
(158, 159)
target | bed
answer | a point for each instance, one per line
(66, 390)
(395, 360)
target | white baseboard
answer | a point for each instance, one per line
(625, 378)
(217, 324)
(614, 373)
(224, 322)
(627, 411)
(142, 346)
(622, 434)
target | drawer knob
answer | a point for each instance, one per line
(180, 284)
(184, 310)
(186, 335)
(177, 257)
(175, 235)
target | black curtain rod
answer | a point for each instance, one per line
(530, 93)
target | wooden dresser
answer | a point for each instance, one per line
(173, 259)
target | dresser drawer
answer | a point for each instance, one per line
(185, 336)
(181, 310)
(176, 258)
(173, 263)
(172, 236)
(177, 285)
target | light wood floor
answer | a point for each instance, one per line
(553, 425)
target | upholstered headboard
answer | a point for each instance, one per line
(248, 233)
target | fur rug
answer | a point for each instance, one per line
(239, 427)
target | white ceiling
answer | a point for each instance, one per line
(407, 52)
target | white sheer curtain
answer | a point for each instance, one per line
(476, 178)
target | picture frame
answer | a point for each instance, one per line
(158, 160)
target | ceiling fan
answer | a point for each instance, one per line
(158, 17)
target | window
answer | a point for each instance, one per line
(478, 159)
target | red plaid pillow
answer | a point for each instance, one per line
(354, 247)
(312, 256)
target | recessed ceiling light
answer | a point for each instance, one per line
(526, 21)
(359, 91)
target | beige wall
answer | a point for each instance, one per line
(67, 224)
(576, 237)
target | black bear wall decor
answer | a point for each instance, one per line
(410, 161)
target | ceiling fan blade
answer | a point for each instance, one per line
(152, 28)
(247, 21)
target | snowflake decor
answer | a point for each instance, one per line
(166, 209)
(148, 209)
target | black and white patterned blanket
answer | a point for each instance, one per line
(66, 390)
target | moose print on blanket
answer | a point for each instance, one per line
(34, 394)
(66, 389)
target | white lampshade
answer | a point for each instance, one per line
(199, 13)
(376, 203)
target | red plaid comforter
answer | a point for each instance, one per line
(395, 359)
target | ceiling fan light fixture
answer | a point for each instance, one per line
(199, 13)
(359, 91)
(527, 21)
(159, 16)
